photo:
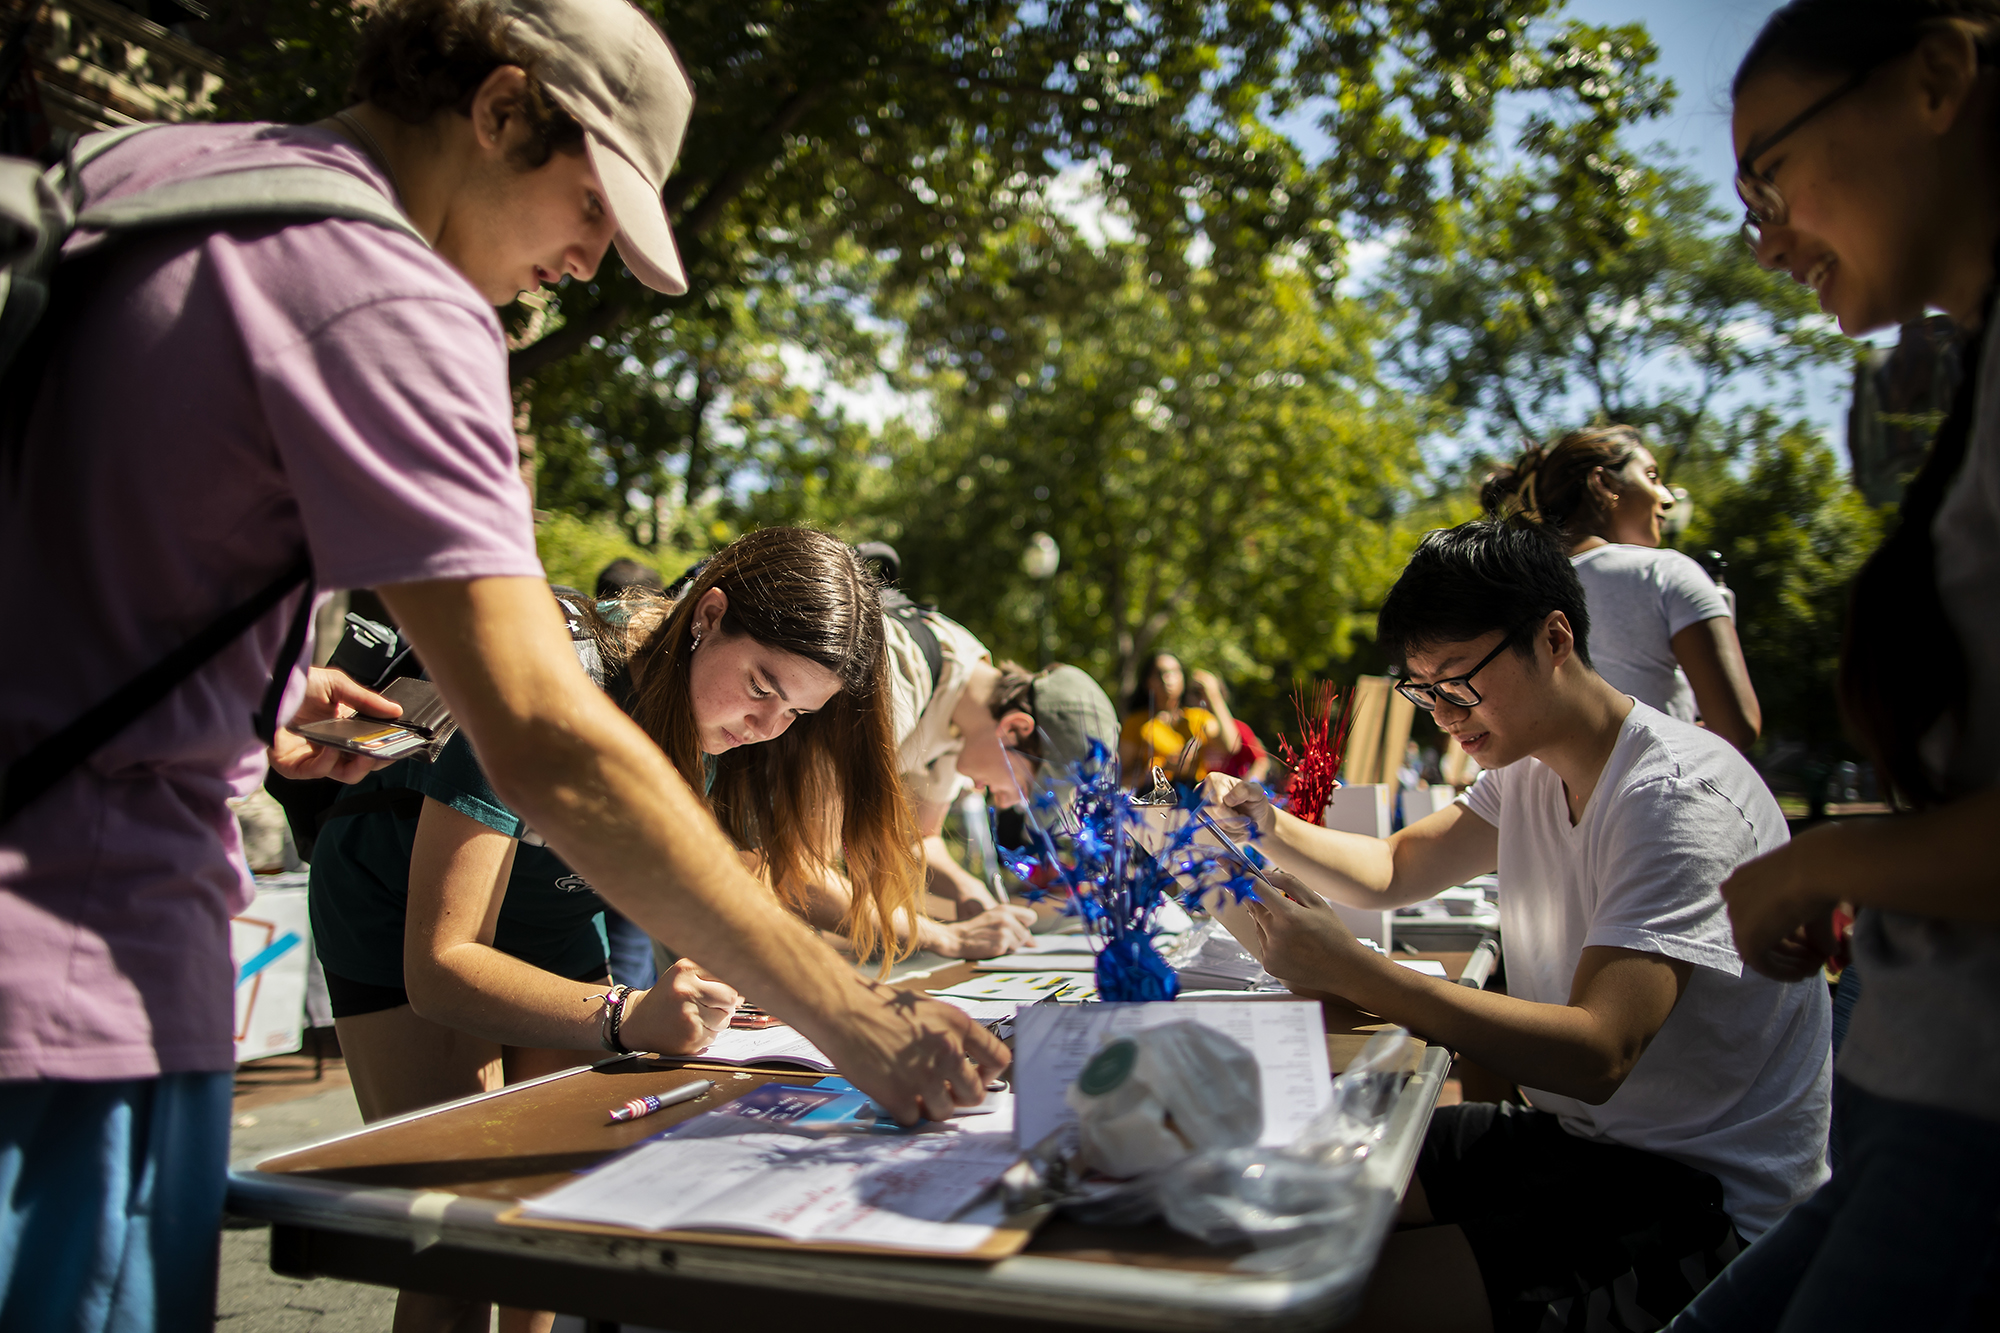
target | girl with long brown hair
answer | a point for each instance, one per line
(460, 953)
(1663, 630)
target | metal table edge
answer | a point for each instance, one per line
(1027, 1285)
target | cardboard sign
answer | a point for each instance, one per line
(271, 944)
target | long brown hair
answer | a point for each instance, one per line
(829, 785)
(1895, 615)
(1552, 486)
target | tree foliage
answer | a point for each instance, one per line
(1219, 466)
(1588, 283)
(911, 132)
(651, 426)
(1229, 448)
(1795, 531)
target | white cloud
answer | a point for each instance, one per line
(1364, 262)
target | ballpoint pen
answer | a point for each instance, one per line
(640, 1107)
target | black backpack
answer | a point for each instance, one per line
(901, 607)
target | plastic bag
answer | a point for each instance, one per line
(1308, 1197)
(1209, 958)
(1148, 1100)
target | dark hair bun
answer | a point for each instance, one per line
(1510, 490)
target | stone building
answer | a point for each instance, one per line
(68, 67)
(1901, 396)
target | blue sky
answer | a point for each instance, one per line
(1700, 42)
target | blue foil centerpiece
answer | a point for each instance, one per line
(1116, 860)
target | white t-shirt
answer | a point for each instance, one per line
(1639, 598)
(1927, 1026)
(1737, 1080)
(927, 746)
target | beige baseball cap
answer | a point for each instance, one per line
(611, 69)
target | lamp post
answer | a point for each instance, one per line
(1040, 561)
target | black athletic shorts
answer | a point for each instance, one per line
(1572, 1234)
(351, 999)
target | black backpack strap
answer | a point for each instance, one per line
(264, 722)
(42, 766)
(910, 614)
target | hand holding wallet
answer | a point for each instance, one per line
(424, 727)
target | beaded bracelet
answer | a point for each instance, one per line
(614, 1014)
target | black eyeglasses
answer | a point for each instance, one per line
(1454, 690)
(1763, 204)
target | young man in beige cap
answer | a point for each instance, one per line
(963, 723)
(331, 389)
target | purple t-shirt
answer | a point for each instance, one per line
(222, 401)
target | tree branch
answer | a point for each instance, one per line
(763, 148)
(602, 318)
(738, 174)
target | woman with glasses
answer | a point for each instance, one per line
(1663, 632)
(1868, 138)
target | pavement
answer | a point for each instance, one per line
(279, 1104)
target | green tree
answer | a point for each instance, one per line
(651, 427)
(1220, 467)
(1584, 283)
(1795, 532)
(916, 130)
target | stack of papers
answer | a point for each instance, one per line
(988, 1012)
(903, 1192)
(1039, 962)
(783, 1045)
(779, 1045)
(1052, 1043)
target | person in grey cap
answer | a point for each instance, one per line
(224, 418)
(961, 722)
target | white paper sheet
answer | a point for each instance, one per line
(1430, 967)
(1052, 1043)
(745, 1046)
(1024, 987)
(1039, 962)
(897, 1192)
(1051, 944)
(981, 1011)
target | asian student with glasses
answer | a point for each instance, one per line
(1677, 1102)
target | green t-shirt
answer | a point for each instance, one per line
(359, 890)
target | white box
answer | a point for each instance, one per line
(1425, 801)
(1365, 808)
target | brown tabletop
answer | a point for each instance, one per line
(393, 1191)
